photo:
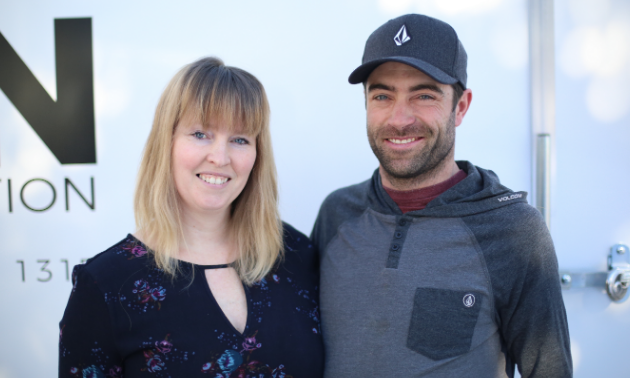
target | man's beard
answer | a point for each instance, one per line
(423, 162)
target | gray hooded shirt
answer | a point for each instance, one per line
(467, 287)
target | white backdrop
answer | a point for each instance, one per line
(302, 52)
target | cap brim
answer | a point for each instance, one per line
(362, 72)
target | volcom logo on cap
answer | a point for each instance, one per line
(469, 300)
(402, 36)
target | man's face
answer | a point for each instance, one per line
(410, 120)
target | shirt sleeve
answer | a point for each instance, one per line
(521, 260)
(87, 345)
(535, 323)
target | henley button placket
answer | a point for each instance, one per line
(398, 241)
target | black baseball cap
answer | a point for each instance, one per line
(422, 42)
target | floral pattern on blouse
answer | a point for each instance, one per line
(134, 250)
(148, 294)
(95, 372)
(120, 301)
(233, 364)
(160, 355)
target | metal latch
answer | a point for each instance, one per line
(618, 273)
(616, 281)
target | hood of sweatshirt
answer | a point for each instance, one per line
(479, 192)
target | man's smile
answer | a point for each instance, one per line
(401, 141)
(406, 143)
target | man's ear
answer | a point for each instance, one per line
(462, 106)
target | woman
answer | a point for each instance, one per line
(212, 283)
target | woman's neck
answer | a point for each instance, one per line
(207, 239)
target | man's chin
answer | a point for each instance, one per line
(401, 172)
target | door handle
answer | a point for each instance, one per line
(616, 281)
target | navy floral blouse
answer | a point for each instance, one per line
(125, 317)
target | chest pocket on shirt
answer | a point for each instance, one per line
(443, 322)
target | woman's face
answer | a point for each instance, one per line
(210, 166)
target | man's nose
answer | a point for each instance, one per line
(402, 114)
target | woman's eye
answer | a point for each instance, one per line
(199, 135)
(241, 141)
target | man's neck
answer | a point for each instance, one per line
(442, 173)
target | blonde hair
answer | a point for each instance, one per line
(206, 90)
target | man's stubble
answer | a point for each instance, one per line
(423, 164)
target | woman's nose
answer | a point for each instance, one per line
(218, 153)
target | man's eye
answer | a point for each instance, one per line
(380, 97)
(199, 135)
(241, 141)
(425, 97)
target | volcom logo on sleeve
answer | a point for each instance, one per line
(469, 300)
(513, 196)
(402, 36)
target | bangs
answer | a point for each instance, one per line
(227, 95)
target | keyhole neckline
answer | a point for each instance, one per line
(218, 266)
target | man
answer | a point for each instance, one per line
(433, 268)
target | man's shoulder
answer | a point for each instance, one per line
(516, 217)
(339, 206)
(353, 195)
(345, 203)
(512, 236)
(514, 221)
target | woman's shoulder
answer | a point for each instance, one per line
(120, 260)
(298, 249)
(292, 236)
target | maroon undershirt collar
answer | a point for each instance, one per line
(418, 199)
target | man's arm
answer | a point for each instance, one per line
(535, 322)
(523, 269)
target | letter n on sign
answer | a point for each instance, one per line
(66, 126)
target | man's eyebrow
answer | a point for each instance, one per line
(431, 87)
(419, 87)
(376, 86)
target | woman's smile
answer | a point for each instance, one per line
(213, 179)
